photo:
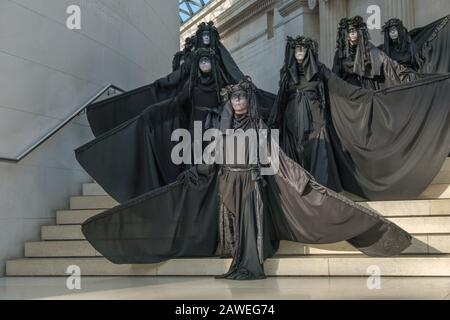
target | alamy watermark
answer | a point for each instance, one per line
(235, 147)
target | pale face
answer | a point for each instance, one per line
(239, 102)
(206, 38)
(393, 33)
(300, 53)
(353, 35)
(205, 65)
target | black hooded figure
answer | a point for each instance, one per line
(110, 113)
(183, 56)
(135, 157)
(360, 63)
(240, 207)
(201, 94)
(302, 112)
(399, 46)
(425, 49)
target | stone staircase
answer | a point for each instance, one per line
(427, 219)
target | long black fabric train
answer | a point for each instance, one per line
(433, 43)
(254, 212)
(181, 220)
(423, 49)
(135, 156)
(363, 64)
(110, 113)
(391, 143)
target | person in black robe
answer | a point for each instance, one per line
(377, 145)
(108, 114)
(134, 157)
(399, 46)
(302, 112)
(239, 209)
(425, 49)
(360, 63)
(183, 56)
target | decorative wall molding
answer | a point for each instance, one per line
(240, 12)
(286, 7)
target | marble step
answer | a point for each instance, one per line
(414, 225)
(422, 244)
(444, 174)
(386, 208)
(73, 217)
(351, 265)
(67, 217)
(434, 191)
(92, 202)
(93, 189)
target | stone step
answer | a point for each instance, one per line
(386, 208)
(436, 191)
(409, 208)
(93, 189)
(65, 217)
(414, 225)
(69, 232)
(433, 192)
(422, 244)
(352, 265)
(73, 217)
(444, 174)
(92, 202)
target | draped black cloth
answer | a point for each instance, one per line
(384, 144)
(403, 49)
(433, 43)
(181, 220)
(382, 73)
(389, 144)
(135, 157)
(302, 113)
(110, 113)
(186, 218)
(424, 49)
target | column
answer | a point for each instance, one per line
(402, 9)
(330, 13)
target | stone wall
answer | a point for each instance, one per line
(46, 72)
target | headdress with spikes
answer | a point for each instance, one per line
(304, 42)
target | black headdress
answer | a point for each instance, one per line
(362, 54)
(310, 63)
(189, 44)
(405, 42)
(289, 72)
(213, 33)
(227, 92)
(216, 74)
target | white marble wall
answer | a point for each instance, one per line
(261, 57)
(46, 72)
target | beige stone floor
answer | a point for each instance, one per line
(298, 288)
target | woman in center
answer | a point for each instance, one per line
(240, 206)
(243, 218)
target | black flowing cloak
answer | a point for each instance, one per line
(106, 115)
(390, 144)
(384, 71)
(181, 220)
(433, 43)
(303, 121)
(135, 157)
